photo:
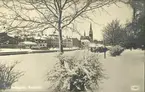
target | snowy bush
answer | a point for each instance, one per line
(76, 73)
(8, 76)
(116, 50)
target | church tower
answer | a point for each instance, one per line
(84, 33)
(91, 32)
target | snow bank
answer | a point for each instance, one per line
(14, 50)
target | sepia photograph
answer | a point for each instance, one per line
(72, 45)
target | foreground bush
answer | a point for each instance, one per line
(76, 73)
(8, 76)
(116, 50)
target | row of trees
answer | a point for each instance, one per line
(132, 34)
(114, 33)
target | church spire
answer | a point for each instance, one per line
(91, 32)
(84, 33)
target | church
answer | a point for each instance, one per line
(87, 39)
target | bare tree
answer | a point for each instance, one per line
(136, 28)
(114, 33)
(40, 15)
(138, 7)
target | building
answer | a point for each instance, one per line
(8, 41)
(86, 40)
(41, 43)
(68, 43)
(27, 44)
(53, 41)
(71, 42)
(91, 33)
(76, 42)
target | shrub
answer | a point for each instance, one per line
(116, 50)
(73, 74)
(8, 76)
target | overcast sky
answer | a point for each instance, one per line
(121, 12)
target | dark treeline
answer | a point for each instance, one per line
(130, 35)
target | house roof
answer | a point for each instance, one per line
(92, 45)
(40, 38)
(99, 45)
(28, 43)
(85, 37)
(85, 40)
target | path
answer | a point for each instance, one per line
(124, 72)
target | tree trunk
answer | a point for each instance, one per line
(60, 41)
(134, 13)
(60, 32)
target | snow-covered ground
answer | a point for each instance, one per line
(35, 67)
(74, 48)
(13, 50)
(122, 71)
(29, 50)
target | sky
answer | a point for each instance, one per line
(100, 19)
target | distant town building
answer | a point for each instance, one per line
(71, 42)
(8, 41)
(41, 43)
(27, 44)
(86, 40)
(76, 42)
(91, 33)
(85, 43)
(51, 41)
